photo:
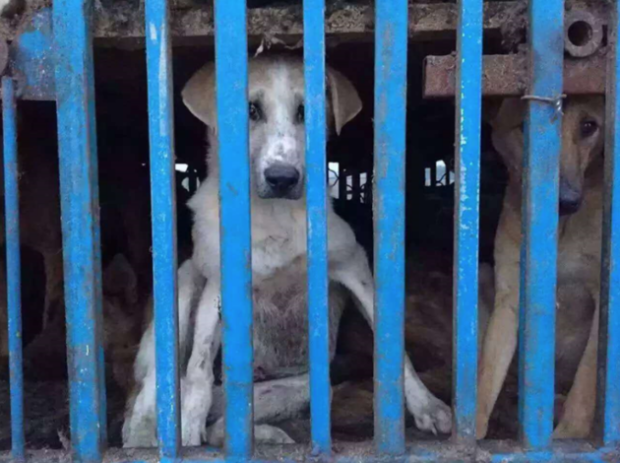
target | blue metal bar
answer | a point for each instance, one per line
(231, 73)
(389, 221)
(163, 200)
(540, 221)
(466, 223)
(13, 267)
(610, 275)
(80, 212)
(316, 210)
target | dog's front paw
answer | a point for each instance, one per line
(432, 415)
(196, 399)
(139, 433)
(266, 434)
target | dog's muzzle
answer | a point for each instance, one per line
(282, 180)
(570, 199)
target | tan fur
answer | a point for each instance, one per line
(579, 247)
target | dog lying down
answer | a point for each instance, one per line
(277, 139)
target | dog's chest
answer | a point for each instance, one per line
(281, 322)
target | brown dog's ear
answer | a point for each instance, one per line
(345, 100)
(509, 114)
(199, 95)
(119, 279)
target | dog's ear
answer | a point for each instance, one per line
(345, 100)
(507, 115)
(199, 95)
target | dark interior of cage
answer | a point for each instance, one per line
(124, 189)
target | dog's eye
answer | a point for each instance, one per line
(588, 128)
(255, 112)
(300, 113)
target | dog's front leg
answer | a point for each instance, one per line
(430, 413)
(500, 343)
(580, 405)
(140, 422)
(197, 385)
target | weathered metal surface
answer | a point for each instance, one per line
(539, 223)
(426, 21)
(583, 33)
(609, 353)
(316, 216)
(77, 143)
(32, 58)
(13, 266)
(231, 74)
(389, 222)
(163, 217)
(466, 223)
(507, 75)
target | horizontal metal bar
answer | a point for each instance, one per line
(77, 144)
(163, 200)
(362, 452)
(13, 266)
(466, 223)
(231, 69)
(507, 75)
(609, 353)
(389, 222)
(540, 223)
(426, 21)
(316, 216)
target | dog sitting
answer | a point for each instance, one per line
(277, 133)
(579, 251)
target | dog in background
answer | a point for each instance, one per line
(579, 252)
(277, 132)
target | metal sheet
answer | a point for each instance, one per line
(80, 226)
(316, 214)
(13, 267)
(466, 223)
(389, 222)
(540, 222)
(231, 72)
(163, 216)
(506, 75)
(610, 275)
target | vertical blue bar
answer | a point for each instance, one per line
(231, 73)
(80, 225)
(316, 206)
(161, 140)
(610, 275)
(467, 191)
(540, 221)
(13, 267)
(389, 221)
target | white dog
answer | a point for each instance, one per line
(277, 152)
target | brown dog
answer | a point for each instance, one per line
(579, 248)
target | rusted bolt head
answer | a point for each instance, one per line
(4, 57)
(583, 34)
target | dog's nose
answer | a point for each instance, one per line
(281, 177)
(570, 199)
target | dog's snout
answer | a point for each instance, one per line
(281, 177)
(570, 198)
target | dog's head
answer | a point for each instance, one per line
(276, 113)
(582, 142)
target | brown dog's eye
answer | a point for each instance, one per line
(255, 112)
(588, 128)
(300, 113)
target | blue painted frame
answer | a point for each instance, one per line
(164, 225)
(73, 82)
(13, 267)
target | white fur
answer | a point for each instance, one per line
(278, 244)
